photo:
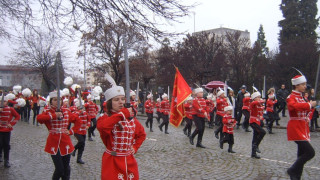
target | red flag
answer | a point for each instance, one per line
(181, 91)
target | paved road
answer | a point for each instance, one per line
(166, 156)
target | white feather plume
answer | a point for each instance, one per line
(21, 102)
(26, 92)
(74, 86)
(17, 88)
(110, 79)
(255, 89)
(96, 91)
(42, 102)
(298, 71)
(68, 81)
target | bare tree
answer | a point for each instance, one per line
(38, 50)
(67, 16)
(106, 47)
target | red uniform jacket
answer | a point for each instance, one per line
(199, 107)
(188, 110)
(165, 107)
(122, 138)
(81, 123)
(256, 112)
(270, 104)
(221, 104)
(35, 99)
(298, 125)
(158, 105)
(246, 103)
(228, 124)
(8, 116)
(58, 137)
(149, 106)
(133, 104)
(105, 106)
(92, 109)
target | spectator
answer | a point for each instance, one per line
(282, 95)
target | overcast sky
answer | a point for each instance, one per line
(210, 14)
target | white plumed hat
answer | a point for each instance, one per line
(198, 90)
(220, 93)
(10, 96)
(164, 95)
(132, 93)
(255, 94)
(17, 88)
(114, 91)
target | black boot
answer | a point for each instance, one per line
(221, 145)
(185, 131)
(258, 150)
(6, 164)
(147, 124)
(166, 129)
(90, 139)
(74, 152)
(216, 134)
(189, 132)
(230, 149)
(199, 144)
(93, 134)
(79, 160)
(191, 140)
(160, 127)
(254, 152)
(293, 175)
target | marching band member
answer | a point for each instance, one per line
(298, 125)
(210, 108)
(59, 144)
(246, 111)
(81, 125)
(158, 106)
(188, 118)
(165, 110)
(221, 104)
(8, 118)
(149, 110)
(256, 116)
(199, 114)
(228, 124)
(121, 134)
(270, 111)
(35, 106)
(92, 109)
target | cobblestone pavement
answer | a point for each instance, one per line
(166, 156)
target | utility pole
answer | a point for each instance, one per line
(317, 77)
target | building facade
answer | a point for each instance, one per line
(11, 75)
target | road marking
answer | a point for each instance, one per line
(283, 162)
(151, 139)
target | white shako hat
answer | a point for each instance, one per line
(10, 96)
(198, 90)
(298, 79)
(54, 94)
(132, 93)
(114, 90)
(26, 92)
(158, 99)
(164, 95)
(189, 98)
(247, 94)
(220, 93)
(150, 96)
(255, 94)
(65, 100)
(228, 108)
(210, 96)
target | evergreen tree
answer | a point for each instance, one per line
(298, 39)
(262, 41)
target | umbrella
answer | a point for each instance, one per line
(215, 85)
